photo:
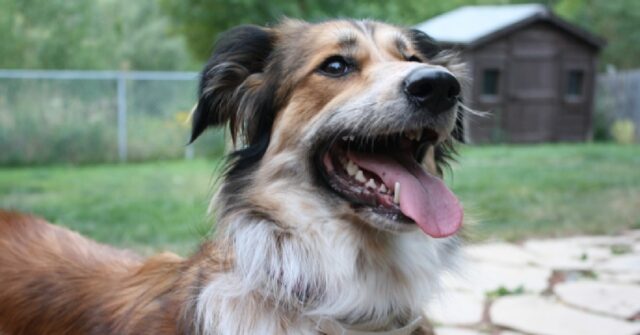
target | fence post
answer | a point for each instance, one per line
(122, 116)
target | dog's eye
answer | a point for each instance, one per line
(414, 58)
(336, 66)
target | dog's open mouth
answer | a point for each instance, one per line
(384, 174)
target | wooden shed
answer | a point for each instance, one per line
(532, 71)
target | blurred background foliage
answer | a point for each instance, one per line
(583, 188)
(178, 34)
(89, 35)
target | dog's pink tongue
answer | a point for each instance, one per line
(423, 197)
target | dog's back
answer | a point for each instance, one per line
(54, 281)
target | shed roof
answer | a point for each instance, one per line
(473, 25)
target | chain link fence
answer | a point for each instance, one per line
(98, 116)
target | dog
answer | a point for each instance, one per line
(331, 215)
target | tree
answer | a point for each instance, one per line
(170, 34)
(100, 34)
(617, 21)
(201, 20)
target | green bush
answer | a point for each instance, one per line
(623, 131)
(63, 131)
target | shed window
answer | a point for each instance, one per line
(575, 83)
(491, 82)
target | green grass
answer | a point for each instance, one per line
(147, 206)
(513, 191)
(549, 190)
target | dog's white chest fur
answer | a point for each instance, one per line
(285, 282)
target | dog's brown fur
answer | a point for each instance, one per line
(55, 281)
(280, 235)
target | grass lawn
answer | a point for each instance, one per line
(147, 206)
(549, 190)
(513, 191)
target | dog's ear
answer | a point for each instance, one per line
(239, 56)
(424, 43)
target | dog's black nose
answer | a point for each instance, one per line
(436, 90)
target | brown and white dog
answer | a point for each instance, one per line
(332, 217)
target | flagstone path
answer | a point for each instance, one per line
(587, 285)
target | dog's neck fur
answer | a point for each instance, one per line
(309, 262)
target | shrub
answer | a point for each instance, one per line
(623, 131)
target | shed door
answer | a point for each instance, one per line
(533, 93)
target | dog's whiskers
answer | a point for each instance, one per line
(472, 111)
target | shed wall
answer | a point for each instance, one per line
(532, 103)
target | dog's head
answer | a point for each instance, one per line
(355, 115)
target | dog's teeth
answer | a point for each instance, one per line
(351, 138)
(360, 176)
(344, 138)
(414, 135)
(352, 168)
(409, 135)
(383, 188)
(371, 184)
(396, 195)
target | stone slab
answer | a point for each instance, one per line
(628, 263)
(481, 278)
(456, 308)
(456, 331)
(569, 253)
(533, 314)
(500, 253)
(624, 278)
(618, 300)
